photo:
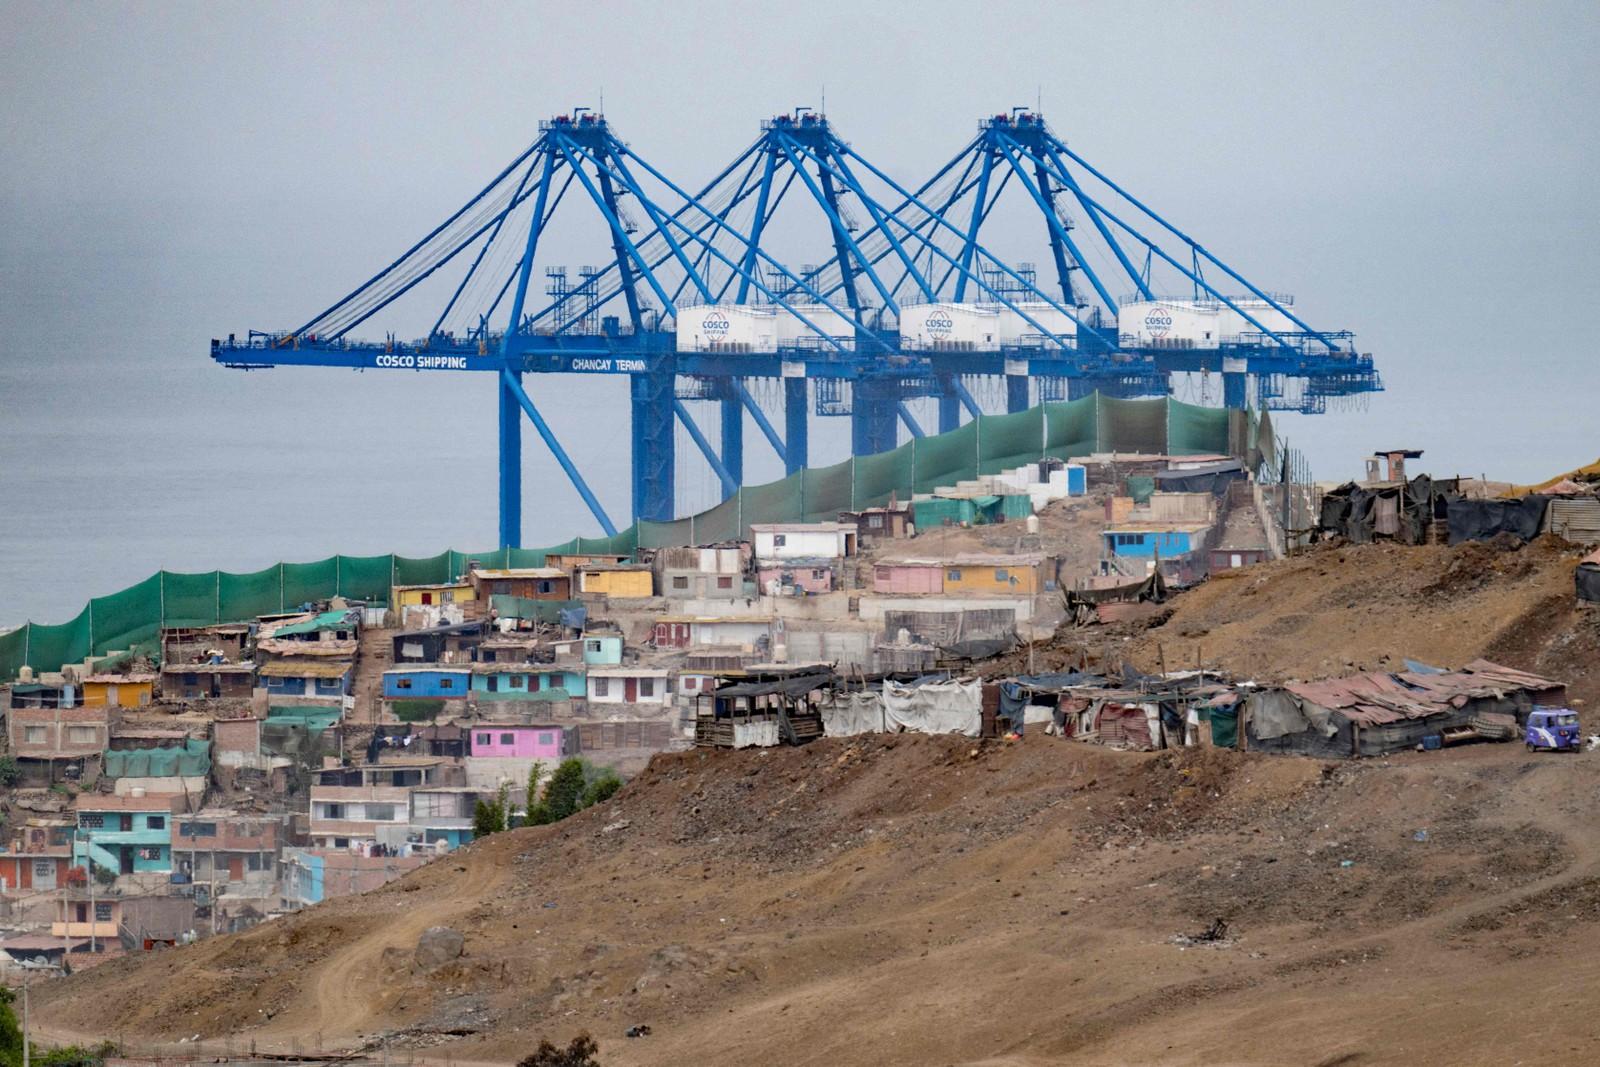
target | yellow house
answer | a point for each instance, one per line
(118, 690)
(978, 575)
(616, 580)
(410, 596)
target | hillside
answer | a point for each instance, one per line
(915, 900)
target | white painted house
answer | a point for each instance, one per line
(627, 685)
(781, 542)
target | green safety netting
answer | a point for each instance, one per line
(1007, 441)
(192, 759)
(132, 619)
(507, 606)
(315, 718)
(327, 620)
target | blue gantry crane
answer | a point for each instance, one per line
(693, 302)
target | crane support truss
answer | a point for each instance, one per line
(841, 347)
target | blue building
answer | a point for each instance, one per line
(430, 683)
(123, 835)
(306, 678)
(602, 649)
(1144, 541)
(526, 681)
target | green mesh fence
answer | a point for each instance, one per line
(132, 619)
(1007, 441)
(886, 474)
(948, 458)
(192, 759)
(1072, 427)
(1195, 430)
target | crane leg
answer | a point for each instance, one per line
(654, 499)
(873, 417)
(1234, 393)
(949, 410)
(1016, 393)
(795, 413)
(510, 464)
(733, 432)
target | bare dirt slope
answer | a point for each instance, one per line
(904, 900)
(917, 900)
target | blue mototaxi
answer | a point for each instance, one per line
(1552, 728)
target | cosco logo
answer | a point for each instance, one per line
(715, 325)
(1157, 321)
(939, 324)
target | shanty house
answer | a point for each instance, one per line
(306, 678)
(529, 583)
(1379, 713)
(700, 573)
(39, 857)
(432, 594)
(227, 643)
(426, 683)
(879, 524)
(620, 580)
(787, 542)
(982, 575)
(516, 740)
(602, 649)
(734, 631)
(900, 576)
(449, 643)
(525, 681)
(207, 681)
(1142, 540)
(119, 690)
(627, 685)
(47, 740)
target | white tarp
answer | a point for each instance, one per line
(844, 714)
(761, 734)
(953, 707)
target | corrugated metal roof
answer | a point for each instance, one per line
(1576, 519)
(1376, 698)
(288, 668)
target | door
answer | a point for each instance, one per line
(630, 690)
(235, 868)
(427, 598)
(125, 859)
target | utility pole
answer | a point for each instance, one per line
(88, 856)
(27, 972)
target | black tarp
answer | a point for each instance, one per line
(1587, 579)
(1213, 478)
(1351, 510)
(1480, 520)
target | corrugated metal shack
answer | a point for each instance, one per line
(1379, 713)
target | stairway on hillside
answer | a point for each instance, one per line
(374, 656)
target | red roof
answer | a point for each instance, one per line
(1377, 698)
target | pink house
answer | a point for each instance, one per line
(907, 576)
(517, 740)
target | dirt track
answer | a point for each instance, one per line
(916, 900)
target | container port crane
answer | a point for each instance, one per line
(694, 303)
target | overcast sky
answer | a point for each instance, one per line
(1421, 174)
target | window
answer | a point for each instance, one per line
(102, 908)
(874, 522)
(252, 861)
(341, 842)
(819, 574)
(380, 812)
(647, 687)
(602, 687)
(447, 683)
(779, 540)
(91, 820)
(546, 585)
(155, 822)
(332, 810)
(508, 739)
(34, 735)
(953, 575)
(191, 678)
(501, 588)
(402, 683)
(514, 681)
(591, 646)
(1001, 574)
(274, 683)
(44, 868)
(546, 738)
(724, 582)
(197, 829)
(151, 852)
(484, 739)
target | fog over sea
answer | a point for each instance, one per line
(174, 174)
